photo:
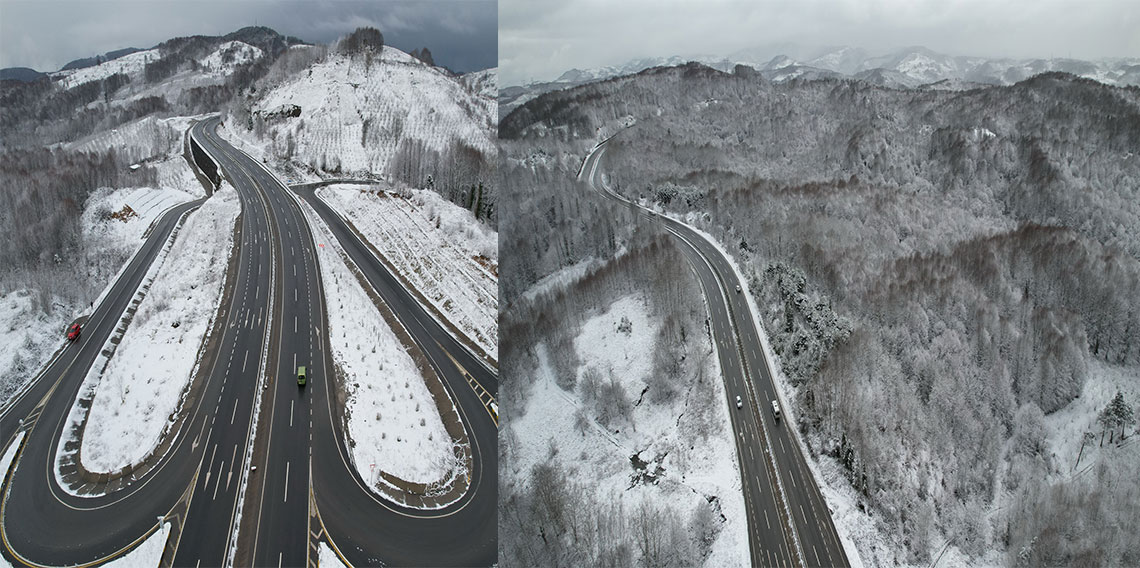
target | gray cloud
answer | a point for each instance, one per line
(46, 34)
(539, 40)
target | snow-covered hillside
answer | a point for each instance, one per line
(484, 83)
(211, 70)
(131, 65)
(355, 114)
(438, 247)
(32, 333)
(229, 55)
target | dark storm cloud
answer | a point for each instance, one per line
(541, 39)
(46, 34)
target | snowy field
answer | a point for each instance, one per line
(692, 446)
(392, 417)
(33, 336)
(142, 386)
(438, 246)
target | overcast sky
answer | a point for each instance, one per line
(46, 34)
(539, 39)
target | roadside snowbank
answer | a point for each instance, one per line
(141, 388)
(392, 418)
(439, 247)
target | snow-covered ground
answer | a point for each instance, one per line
(10, 454)
(484, 83)
(327, 557)
(156, 141)
(147, 554)
(864, 541)
(131, 65)
(446, 254)
(599, 457)
(31, 336)
(392, 418)
(6, 462)
(213, 69)
(229, 55)
(141, 387)
(358, 115)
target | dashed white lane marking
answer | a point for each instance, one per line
(219, 482)
(234, 414)
(291, 413)
(245, 360)
(210, 467)
(286, 499)
(231, 472)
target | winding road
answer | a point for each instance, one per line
(789, 523)
(242, 487)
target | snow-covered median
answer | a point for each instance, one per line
(439, 247)
(141, 388)
(148, 553)
(327, 557)
(393, 422)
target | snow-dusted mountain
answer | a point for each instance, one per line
(352, 114)
(910, 67)
(484, 83)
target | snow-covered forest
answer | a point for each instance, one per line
(114, 124)
(950, 281)
(365, 110)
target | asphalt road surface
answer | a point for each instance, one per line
(39, 521)
(307, 447)
(273, 323)
(789, 523)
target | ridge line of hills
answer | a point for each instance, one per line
(914, 67)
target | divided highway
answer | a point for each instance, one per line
(789, 523)
(303, 486)
(351, 515)
(306, 437)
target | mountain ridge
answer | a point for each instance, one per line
(908, 67)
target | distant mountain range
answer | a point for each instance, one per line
(258, 36)
(907, 68)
